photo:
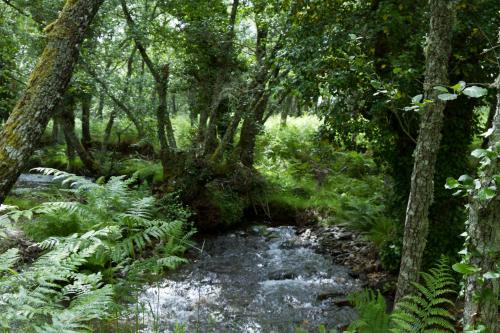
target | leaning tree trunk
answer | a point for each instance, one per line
(482, 295)
(422, 179)
(44, 90)
(250, 129)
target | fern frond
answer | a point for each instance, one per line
(425, 311)
(8, 259)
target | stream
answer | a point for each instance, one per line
(260, 280)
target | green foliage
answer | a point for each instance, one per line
(108, 230)
(144, 170)
(427, 309)
(308, 174)
(229, 204)
(51, 295)
(371, 308)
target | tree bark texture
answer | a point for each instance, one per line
(422, 179)
(482, 297)
(44, 89)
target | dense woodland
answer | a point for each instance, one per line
(162, 122)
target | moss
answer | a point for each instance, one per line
(229, 205)
(44, 66)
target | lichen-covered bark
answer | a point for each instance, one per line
(44, 90)
(422, 179)
(484, 245)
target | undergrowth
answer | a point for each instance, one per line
(427, 310)
(344, 187)
(91, 249)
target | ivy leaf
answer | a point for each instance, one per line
(459, 86)
(451, 183)
(441, 89)
(466, 180)
(417, 98)
(464, 268)
(491, 275)
(376, 84)
(475, 91)
(447, 97)
(478, 153)
(486, 194)
(488, 132)
(411, 108)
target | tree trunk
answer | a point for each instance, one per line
(160, 75)
(250, 129)
(86, 101)
(228, 137)
(163, 122)
(251, 123)
(56, 137)
(44, 90)
(209, 133)
(422, 179)
(107, 132)
(67, 118)
(100, 105)
(117, 102)
(482, 297)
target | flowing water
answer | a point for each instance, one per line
(262, 280)
(30, 181)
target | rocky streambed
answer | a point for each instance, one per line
(263, 279)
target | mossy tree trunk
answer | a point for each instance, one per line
(45, 88)
(422, 179)
(255, 114)
(482, 295)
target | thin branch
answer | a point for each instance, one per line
(406, 131)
